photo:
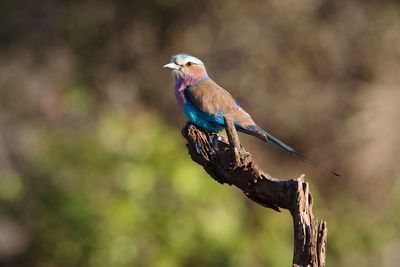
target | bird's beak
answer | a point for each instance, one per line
(172, 66)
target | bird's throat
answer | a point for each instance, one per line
(181, 83)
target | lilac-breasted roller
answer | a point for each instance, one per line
(205, 103)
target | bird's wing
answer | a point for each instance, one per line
(210, 98)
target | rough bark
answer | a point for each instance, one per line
(228, 162)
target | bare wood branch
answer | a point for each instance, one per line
(230, 163)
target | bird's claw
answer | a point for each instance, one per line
(214, 140)
(198, 148)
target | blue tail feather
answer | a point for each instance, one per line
(258, 132)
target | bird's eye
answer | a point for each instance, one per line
(189, 64)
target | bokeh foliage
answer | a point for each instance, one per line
(126, 196)
(94, 172)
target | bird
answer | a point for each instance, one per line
(205, 104)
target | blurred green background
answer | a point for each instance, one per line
(94, 171)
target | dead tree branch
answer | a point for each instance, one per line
(230, 163)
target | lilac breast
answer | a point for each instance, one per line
(180, 86)
(180, 95)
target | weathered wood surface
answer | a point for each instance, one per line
(228, 162)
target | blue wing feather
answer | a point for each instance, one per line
(207, 121)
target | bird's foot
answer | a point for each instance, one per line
(198, 148)
(214, 139)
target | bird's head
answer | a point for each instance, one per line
(186, 67)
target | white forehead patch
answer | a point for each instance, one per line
(183, 59)
(193, 60)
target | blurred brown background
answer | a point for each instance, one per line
(94, 172)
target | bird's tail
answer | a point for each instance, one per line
(256, 131)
